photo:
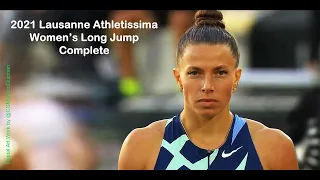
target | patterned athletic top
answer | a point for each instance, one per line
(179, 153)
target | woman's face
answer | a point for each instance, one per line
(208, 76)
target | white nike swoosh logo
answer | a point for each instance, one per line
(225, 155)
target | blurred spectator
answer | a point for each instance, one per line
(154, 54)
(46, 133)
(53, 61)
(75, 68)
(304, 118)
(44, 50)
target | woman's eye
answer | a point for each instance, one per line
(222, 73)
(192, 73)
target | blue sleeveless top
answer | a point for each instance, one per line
(177, 152)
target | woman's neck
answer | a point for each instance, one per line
(197, 124)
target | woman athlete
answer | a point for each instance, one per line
(206, 135)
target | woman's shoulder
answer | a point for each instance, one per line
(272, 145)
(143, 143)
(258, 129)
(152, 131)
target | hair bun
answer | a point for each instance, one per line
(209, 17)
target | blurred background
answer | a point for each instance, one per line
(73, 112)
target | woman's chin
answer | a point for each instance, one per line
(208, 113)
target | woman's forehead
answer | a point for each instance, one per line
(204, 55)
